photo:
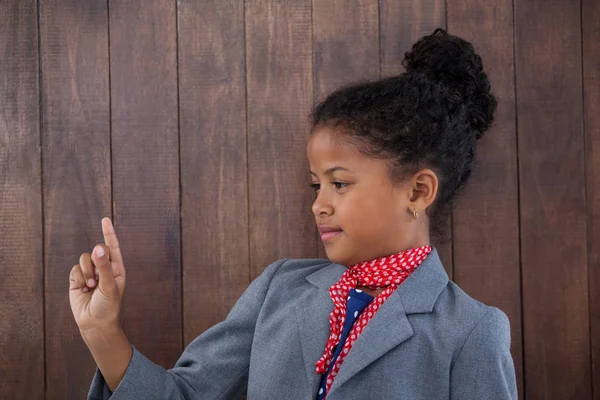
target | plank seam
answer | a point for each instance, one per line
(249, 224)
(41, 150)
(181, 286)
(516, 112)
(589, 220)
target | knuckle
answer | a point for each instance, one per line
(77, 276)
(83, 258)
(86, 270)
(83, 266)
(75, 271)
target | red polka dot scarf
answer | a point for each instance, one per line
(391, 270)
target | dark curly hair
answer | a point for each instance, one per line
(428, 117)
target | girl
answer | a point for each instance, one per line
(380, 319)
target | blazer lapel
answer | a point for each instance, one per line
(313, 320)
(388, 328)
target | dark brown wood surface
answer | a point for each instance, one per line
(145, 172)
(186, 122)
(591, 89)
(401, 24)
(76, 167)
(279, 97)
(485, 221)
(345, 48)
(396, 38)
(21, 231)
(214, 184)
(553, 209)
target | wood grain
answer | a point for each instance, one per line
(591, 89)
(214, 204)
(552, 200)
(145, 159)
(243, 174)
(486, 217)
(345, 49)
(402, 23)
(21, 245)
(346, 43)
(76, 173)
(279, 95)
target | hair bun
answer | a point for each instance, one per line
(453, 62)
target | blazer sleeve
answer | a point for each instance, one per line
(484, 367)
(213, 366)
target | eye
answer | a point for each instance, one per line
(315, 186)
(340, 185)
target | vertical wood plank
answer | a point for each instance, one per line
(552, 200)
(402, 23)
(145, 154)
(76, 172)
(591, 88)
(21, 256)
(345, 48)
(486, 217)
(279, 96)
(345, 43)
(214, 203)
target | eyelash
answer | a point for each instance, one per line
(317, 186)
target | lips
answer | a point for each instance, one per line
(328, 233)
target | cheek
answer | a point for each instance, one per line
(385, 216)
(367, 214)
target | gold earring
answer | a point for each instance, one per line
(415, 214)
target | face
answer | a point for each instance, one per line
(360, 214)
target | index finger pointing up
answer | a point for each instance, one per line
(110, 239)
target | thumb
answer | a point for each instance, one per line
(107, 283)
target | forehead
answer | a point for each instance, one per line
(327, 144)
(328, 147)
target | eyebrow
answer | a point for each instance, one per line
(331, 170)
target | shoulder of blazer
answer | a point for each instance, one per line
(466, 314)
(298, 273)
(299, 268)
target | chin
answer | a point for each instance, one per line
(337, 257)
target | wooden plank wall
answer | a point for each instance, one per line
(186, 122)
(76, 170)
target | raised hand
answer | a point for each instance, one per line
(97, 284)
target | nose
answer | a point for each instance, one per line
(322, 206)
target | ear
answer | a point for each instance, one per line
(423, 189)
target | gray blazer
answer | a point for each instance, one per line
(428, 341)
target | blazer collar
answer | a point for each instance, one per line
(388, 328)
